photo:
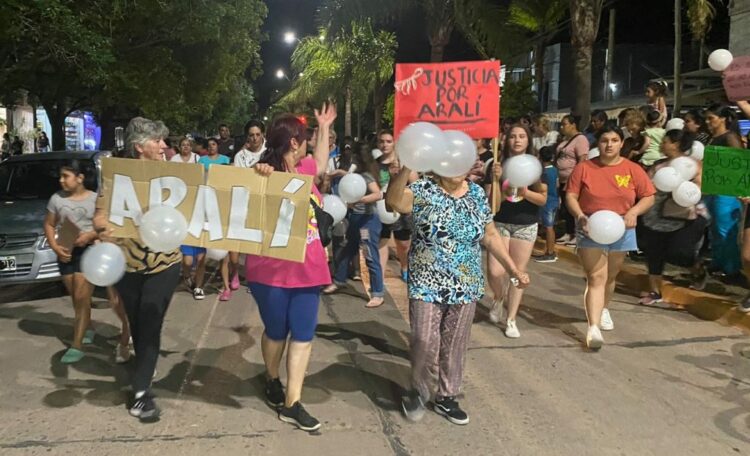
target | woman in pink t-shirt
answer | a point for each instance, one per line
(288, 293)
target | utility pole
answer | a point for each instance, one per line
(677, 57)
(609, 71)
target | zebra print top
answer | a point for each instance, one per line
(138, 258)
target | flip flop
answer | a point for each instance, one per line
(370, 304)
(331, 289)
(88, 336)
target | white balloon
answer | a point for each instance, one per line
(697, 150)
(421, 146)
(103, 264)
(687, 194)
(334, 206)
(352, 188)
(522, 170)
(667, 179)
(675, 124)
(383, 214)
(216, 254)
(461, 155)
(720, 59)
(606, 227)
(163, 228)
(686, 166)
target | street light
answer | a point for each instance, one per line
(280, 74)
(613, 88)
(290, 37)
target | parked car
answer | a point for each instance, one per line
(26, 184)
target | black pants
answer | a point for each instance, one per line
(570, 222)
(679, 248)
(146, 298)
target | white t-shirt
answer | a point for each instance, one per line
(248, 159)
(550, 139)
(178, 158)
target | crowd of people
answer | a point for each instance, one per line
(444, 224)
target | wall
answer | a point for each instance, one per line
(739, 31)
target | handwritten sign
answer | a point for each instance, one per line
(454, 96)
(726, 171)
(737, 79)
(234, 209)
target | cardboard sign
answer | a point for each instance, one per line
(67, 234)
(236, 209)
(454, 96)
(736, 79)
(726, 171)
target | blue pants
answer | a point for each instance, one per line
(725, 252)
(364, 229)
(287, 310)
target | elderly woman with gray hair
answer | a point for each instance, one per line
(150, 278)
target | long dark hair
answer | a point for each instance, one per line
(279, 140)
(722, 110)
(362, 157)
(697, 116)
(506, 144)
(683, 139)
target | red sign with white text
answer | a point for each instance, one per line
(461, 96)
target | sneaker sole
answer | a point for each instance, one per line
(289, 420)
(742, 310)
(440, 412)
(546, 261)
(150, 417)
(513, 336)
(607, 328)
(594, 344)
(199, 298)
(274, 406)
(413, 416)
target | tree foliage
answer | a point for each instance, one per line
(518, 97)
(175, 60)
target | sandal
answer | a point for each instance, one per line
(331, 289)
(375, 302)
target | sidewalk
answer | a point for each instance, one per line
(720, 308)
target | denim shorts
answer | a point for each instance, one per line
(627, 243)
(189, 250)
(547, 214)
(521, 232)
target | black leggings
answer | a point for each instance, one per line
(146, 298)
(570, 222)
(679, 248)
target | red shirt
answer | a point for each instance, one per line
(615, 188)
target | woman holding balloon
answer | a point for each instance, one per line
(516, 219)
(151, 275)
(452, 219)
(364, 226)
(672, 230)
(76, 204)
(287, 292)
(610, 189)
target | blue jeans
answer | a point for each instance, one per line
(364, 230)
(726, 212)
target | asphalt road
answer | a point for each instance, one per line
(665, 382)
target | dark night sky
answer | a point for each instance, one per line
(638, 21)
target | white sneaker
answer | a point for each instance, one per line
(563, 239)
(606, 323)
(496, 311)
(511, 330)
(594, 339)
(122, 353)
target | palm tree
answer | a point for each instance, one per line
(480, 21)
(540, 17)
(354, 62)
(584, 21)
(700, 15)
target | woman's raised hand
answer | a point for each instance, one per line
(326, 115)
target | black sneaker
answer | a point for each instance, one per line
(145, 409)
(744, 305)
(413, 406)
(448, 407)
(298, 416)
(546, 258)
(275, 396)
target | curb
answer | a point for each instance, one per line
(706, 306)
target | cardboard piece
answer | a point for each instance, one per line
(67, 234)
(736, 79)
(236, 209)
(726, 171)
(461, 96)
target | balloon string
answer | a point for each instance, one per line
(406, 85)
